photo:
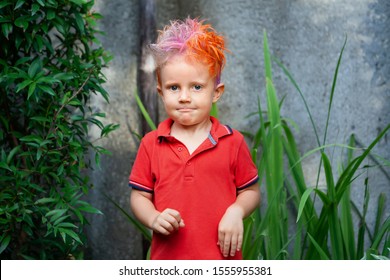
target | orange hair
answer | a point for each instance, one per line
(193, 39)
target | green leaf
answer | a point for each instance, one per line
(70, 233)
(50, 14)
(40, 119)
(47, 89)
(5, 3)
(31, 90)
(4, 243)
(35, 67)
(23, 84)
(79, 2)
(22, 22)
(7, 29)
(46, 200)
(56, 212)
(321, 252)
(329, 177)
(19, 4)
(5, 166)
(67, 225)
(30, 138)
(108, 129)
(97, 159)
(79, 22)
(144, 112)
(64, 76)
(75, 102)
(12, 153)
(34, 9)
(302, 203)
(90, 209)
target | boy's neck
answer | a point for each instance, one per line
(191, 136)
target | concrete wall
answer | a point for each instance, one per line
(307, 36)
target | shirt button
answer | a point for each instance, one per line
(180, 149)
(189, 163)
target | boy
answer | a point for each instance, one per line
(193, 179)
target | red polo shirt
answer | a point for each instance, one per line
(201, 186)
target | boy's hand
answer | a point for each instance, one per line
(167, 222)
(231, 231)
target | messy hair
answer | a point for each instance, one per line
(195, 40)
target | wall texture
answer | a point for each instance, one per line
(306, 35)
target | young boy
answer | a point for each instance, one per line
(193, 179)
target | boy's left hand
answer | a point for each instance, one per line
(231, 231)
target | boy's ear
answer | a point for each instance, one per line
(218, 92)
(159, 90)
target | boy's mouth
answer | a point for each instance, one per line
(185, 109)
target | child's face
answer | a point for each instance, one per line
(188, 91)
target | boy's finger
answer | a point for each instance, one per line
(176, 216)
(162, 230)
(239, 242)
(226, 245)
(174, 213)
(233, 245)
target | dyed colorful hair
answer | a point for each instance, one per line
(195, 40)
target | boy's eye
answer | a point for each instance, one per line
(173, 88)
(197, 87)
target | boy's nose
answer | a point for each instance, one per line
(184, 96)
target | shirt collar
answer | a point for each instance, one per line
(217, 131)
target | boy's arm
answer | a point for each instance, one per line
(143, 208)
(231, 229)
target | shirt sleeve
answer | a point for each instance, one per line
(246, 173)
(141, 177)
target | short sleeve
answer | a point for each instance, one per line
(141, 177)
(246, 173)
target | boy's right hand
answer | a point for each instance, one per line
(167, 222)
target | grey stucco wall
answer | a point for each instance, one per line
(307, 36)
(111, 236)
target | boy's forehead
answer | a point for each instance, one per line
(184, 61)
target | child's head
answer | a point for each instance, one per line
(194, 40)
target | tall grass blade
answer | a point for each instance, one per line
(277, 223)
(295, 84)
(302, 203)
(346, 221)
(334, 224)
(141, 228)
(214, 110)
(332, 91)
(383, 231)
(144, 112)
(379, 213)
(321, 252)
(347, 175)
(362, 223)
(267, 57)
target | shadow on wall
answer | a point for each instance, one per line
(110, 236)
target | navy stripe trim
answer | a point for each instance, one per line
(139, 188)
(229, 128)
(249, 184)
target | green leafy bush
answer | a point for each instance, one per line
(50, 65)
